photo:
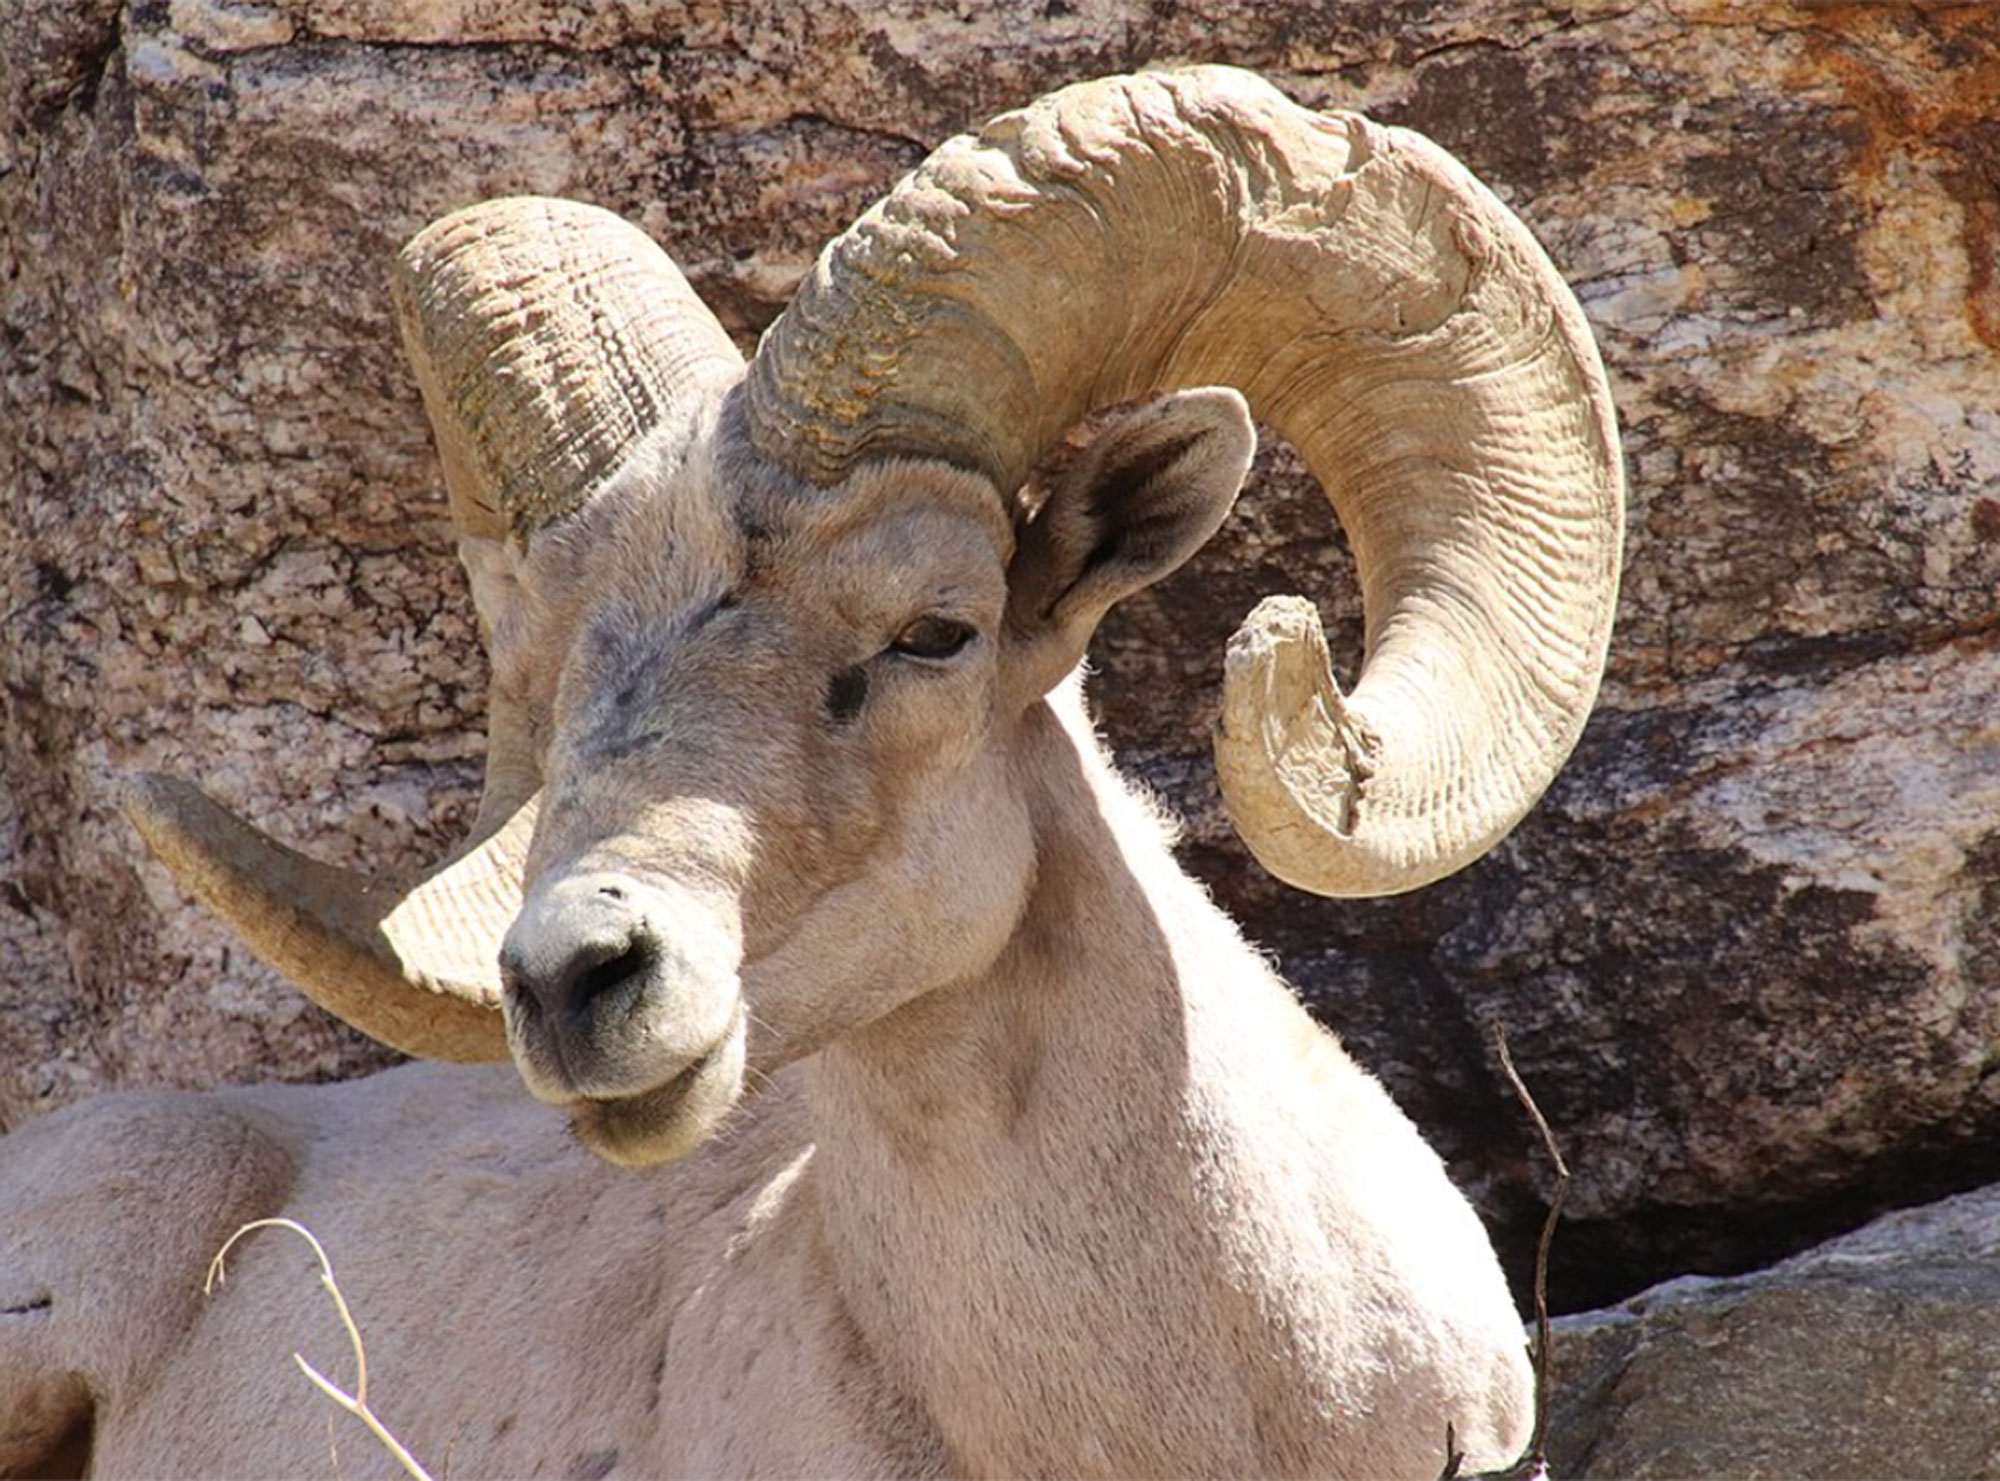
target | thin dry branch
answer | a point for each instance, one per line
(355, 1403)
(1533, 1463)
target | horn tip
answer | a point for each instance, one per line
(161, 806)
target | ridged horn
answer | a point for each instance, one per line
(547, 337)
(1379, 308)
(410, 965)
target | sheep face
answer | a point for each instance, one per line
(780, 795)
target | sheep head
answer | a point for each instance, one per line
(764, 637)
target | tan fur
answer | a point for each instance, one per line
(1027, 1164)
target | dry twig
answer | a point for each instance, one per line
(355, 1403)
(1533, 1463)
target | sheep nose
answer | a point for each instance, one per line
(613, 986)
(584, 955)
(587, 981)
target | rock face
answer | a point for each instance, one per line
(1746, 950)
(1870, 1356)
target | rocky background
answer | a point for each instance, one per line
(1747, 952)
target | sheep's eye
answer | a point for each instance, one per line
(932, 637)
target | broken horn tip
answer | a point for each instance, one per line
(154, 799)
(140, 786)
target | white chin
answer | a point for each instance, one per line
(670, 1120)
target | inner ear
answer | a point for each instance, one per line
(1136, 501)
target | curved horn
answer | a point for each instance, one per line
(411, 966)
(1377, 306)
(547, 336)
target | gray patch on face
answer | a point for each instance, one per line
(846, 692)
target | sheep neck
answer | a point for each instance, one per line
(1052, 1150)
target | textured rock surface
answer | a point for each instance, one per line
(1746, 950)
(1870, 1356)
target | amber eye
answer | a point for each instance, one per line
(932, 637)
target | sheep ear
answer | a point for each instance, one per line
(1140, 498)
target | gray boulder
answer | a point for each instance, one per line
(1867, 1357)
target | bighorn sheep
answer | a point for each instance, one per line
(999, 1152)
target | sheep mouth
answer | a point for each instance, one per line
(674, 1117)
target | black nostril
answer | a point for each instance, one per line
(596, 974)
(588, 980)
(517, 983)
